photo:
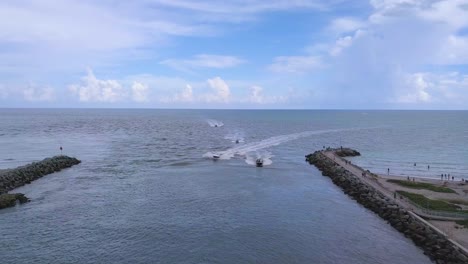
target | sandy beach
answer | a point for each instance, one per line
(450, 228)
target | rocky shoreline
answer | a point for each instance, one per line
(435, 245)
(14, 178)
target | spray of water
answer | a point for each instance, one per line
(251, 158)
(236, 136)
(214, 123)
(243, 149)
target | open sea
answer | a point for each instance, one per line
(148, 191)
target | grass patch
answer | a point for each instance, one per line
(422, 185)
(457, 201)
(463, 223)
(437, 205)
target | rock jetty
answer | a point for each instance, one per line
(14, 178)
(434, 244)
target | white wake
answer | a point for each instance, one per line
(214, 123)
(243, 149)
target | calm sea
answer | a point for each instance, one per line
(147, 191)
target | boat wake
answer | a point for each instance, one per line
(244, 149)
(237, 137)
(265, 156)
(214, 123)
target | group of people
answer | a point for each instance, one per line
(442, 176)
(446, 177)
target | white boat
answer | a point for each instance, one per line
(259, 162)
(216, 156)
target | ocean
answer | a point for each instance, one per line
(148, 190)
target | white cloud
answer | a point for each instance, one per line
(140, 92)
(295, 64)
(204, 61)
(240, 7)
(344, 42)
(221, 90)
(454, 50)
(346, 24)
(425, 87)
(186, 95)
(34, 93)
(92, 89)
(257, 96)
(416, 86)
(453, 13)
(64, 36)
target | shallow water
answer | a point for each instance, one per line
(145, 193)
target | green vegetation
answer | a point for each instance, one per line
(422, 185)
(437, 205)
(463, 223)
(457, 201)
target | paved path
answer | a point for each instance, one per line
(357, 171)
(460, 240)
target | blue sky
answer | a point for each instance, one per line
(338, 54)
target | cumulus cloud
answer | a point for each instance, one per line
(140, 92)
(426, 87)
(92, 89)
(221, 91)
(186, 95)
(38, 94)
(416, 86)
(295, 64)
(257, 96)
(383, 57)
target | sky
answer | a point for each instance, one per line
(241, 54)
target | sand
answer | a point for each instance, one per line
(453, 231)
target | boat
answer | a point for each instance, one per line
(237, 141)
(216, 156)
(259, 162)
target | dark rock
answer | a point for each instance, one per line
(14, 178)
(9, 199)
(347, 152)
(437, 247)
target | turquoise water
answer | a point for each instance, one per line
(147, 191)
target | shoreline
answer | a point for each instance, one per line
(365, 188)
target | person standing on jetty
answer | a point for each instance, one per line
(428, 167)
(388, 171)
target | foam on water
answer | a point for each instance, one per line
(243, 149)
(235, 136)
(214, 123)
(251, 158)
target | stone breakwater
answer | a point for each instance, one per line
(14, 178)
(435, 245)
